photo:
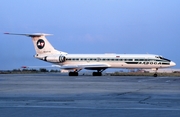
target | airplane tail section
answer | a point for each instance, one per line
(41, 44)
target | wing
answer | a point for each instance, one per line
(85, 66)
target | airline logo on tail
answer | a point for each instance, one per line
(40, 44)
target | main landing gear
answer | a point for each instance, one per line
(73, 73)
(98, 73)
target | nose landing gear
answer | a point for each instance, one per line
(155, 74)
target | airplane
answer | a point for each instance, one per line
(100, 62)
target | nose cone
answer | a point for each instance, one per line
(172, 63)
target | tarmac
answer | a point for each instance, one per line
(56, 95)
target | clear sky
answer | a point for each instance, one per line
(90, 26)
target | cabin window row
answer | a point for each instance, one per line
(97, 59)
(147, 60)
(108, 59)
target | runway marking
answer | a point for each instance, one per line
(168, 81)
(168, 109)
(147, 80)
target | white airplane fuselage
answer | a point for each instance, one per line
(144, 61)
(76, 62)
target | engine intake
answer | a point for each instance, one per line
(62, 59)
(54, 59)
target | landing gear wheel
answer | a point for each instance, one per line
(155, 75)
(97, 74)
(73, 73)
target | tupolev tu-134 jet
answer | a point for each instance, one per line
(76, 62)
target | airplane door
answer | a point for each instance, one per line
(98, 59)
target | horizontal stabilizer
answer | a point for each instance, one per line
(29, 35)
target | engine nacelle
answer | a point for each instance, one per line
(62, 59)
(53, 59)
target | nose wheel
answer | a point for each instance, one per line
(155, 74)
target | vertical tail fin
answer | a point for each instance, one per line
(41, 44)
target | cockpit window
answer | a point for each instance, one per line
(162, 58)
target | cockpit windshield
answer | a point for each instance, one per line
(162, 58)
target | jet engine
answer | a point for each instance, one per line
(59, 59)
